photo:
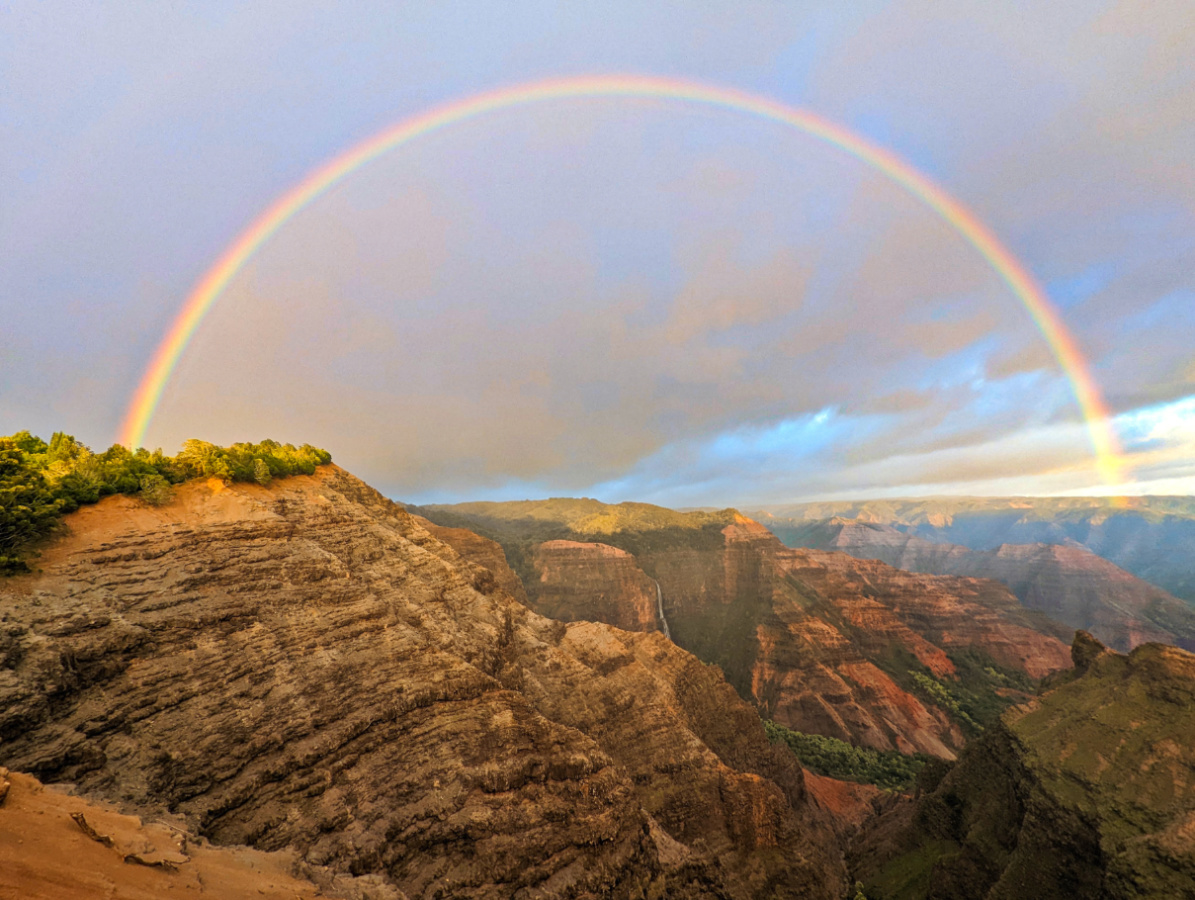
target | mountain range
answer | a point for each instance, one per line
(1150, 537)
(1065, 581)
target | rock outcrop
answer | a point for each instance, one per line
(479, 551)
(54, 846)
(303, 666)
(821, 642)
(1066, 582)
(1085, 793)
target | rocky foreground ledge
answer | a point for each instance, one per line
(55, 846)
(304, 667)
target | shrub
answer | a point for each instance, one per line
(829, 756)
(156, 490)
(40, 482)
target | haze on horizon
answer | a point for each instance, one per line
(625, 299)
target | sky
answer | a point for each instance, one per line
(625, 298)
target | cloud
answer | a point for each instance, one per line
(637, 294)
(452, 327)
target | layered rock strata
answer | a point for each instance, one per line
(828, 638)
(821, 642)
(304, 666)
(594, 582)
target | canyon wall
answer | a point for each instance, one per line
(821, 642)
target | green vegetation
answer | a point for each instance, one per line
(907, 876)
(941, 694)
(583, 516)
(829, 756)
(41, 482)
(978, 694)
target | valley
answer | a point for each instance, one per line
(819, 642)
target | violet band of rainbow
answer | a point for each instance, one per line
(1061, 342)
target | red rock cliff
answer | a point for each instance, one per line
(594, 582)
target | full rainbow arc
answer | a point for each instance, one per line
(1020, 282)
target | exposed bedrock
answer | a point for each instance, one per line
(304, 666)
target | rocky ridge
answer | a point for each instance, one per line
(303, 666)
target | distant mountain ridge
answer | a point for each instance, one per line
(1150, 537)
(1067, 581)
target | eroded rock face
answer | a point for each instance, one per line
(1088, 792)
(819, 641)
(594, 582)
(480, 551)
(304, 666)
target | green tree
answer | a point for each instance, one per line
(823, 755)
(28, 506)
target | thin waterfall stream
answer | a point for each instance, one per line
(660, 609)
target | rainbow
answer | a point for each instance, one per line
(1020, 282)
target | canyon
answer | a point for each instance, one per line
(302, 689)
(303, 667)
(820, 642)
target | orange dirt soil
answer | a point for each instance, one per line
(46, 855)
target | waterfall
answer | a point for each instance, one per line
(660, 609)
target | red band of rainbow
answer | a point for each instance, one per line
(1045, 316)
